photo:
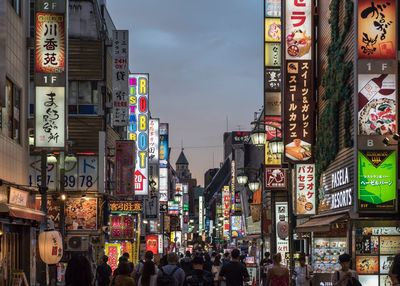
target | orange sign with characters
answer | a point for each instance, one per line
(152, 243)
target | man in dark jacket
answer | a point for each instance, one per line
(198, 276)
(186, 263)
(103, 272)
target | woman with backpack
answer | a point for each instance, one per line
(216, 268)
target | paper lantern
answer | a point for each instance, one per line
(50, 246)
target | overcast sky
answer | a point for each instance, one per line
(205, 60)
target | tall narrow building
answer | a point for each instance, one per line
(182, 167)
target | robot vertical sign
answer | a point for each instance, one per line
(138, 128)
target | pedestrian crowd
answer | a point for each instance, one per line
(202, 269)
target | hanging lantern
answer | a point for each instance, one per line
(50, 246)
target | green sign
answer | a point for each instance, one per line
(377, 190)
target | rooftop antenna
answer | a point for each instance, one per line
(227, 124)
(182, 144)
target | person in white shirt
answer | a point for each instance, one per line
(303, 273)
(345, 276)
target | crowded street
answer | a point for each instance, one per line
(199, 143)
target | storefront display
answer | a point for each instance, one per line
(326, 253)
(375, 251)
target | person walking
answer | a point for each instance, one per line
(345, 276)
(148, 256)
(277, 275)
(234, 272)
(123, 278)
(171, 274)
(149, 275)
(265, 264)
(303, 273)
(103, 272)
(225, 258)
(207, 262)
(131, 266)
(199, 276)
(216, 268)
(394, 272)
(78, 272)
(186, 263)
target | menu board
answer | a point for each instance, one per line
(326, 253)
(375, 251)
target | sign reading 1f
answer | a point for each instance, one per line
(138, 128)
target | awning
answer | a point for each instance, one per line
(22, 212)
(319, 224)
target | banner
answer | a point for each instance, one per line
(152, 243)
(154, 139)
(120, 73)
(376, 29)
(226, 211)
(377, 186)
(164, 145)
(138, 128)
(305, 189)
(124, 167)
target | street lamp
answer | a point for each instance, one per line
(254, 186)
(258, 136)
(242, 179)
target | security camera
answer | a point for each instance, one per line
(386, 141)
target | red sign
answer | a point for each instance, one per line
(273, 127)
(275, 178)
(152, 243)
(139, 179)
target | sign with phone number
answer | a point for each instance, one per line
(79, 176)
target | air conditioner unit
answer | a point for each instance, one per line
(77, 243)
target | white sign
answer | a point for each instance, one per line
(18, 197)
(282, 218)
(342, 199)
(305, 189)
(201, 213)
(50, 117)
(298, 37)
(120, 73)
(340, 178)
(163, 193)
(138, 128)
(160, 243)
(154, 141)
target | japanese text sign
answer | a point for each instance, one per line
(377, 29)
(305, 189)
(121, 227)
(272, 79)
(126, 206)
(272, 55)
(154, 141)
(138, 128)
(164, 145)
(226, 210)
(298, 36)
(275, 178)
(50, 117)
(120, 73)
(377, 175)
(273, 30)
(299, 111)
(273, 8)
(152, 243)
(124, 167)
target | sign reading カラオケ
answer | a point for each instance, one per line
(50, 74)
(138, 128)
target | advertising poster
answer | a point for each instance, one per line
(305, 189)
(273, 127)
(377, 175)
(81, 214)
(367, 264)
(226, 210)
(389, 245)
(163, 192)
(124, 167)
(273, 8)
(50, 117)
(164, 145)
(121, 227)
(299, 111)
(154, 141)
(275, 178)
(376, 29)
(282, 227)
(237, 226)
(152, 243)
(120, 73)
(113, 251)
(49, 43)
(273, 30)
(377, 108)
(298, 37)
(272, 55)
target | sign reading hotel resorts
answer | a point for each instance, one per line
(120, 73)
(377, 105)
(50, 74)
(298, 107)
(377, 175)
(138, 128)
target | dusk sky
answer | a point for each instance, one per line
(205, 60)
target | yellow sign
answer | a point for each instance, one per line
(126, 206)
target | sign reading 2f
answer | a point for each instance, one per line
(138, 128)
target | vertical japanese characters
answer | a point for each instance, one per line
(120, 74)
(305, 186)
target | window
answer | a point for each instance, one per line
(11, 112)
(16, 4)
(83, 97)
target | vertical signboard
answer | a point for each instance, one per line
(152, 243)
(305, 189)
(163, 161)
(233, 185)
(50, 74)
(201, 214)
(120, 73)
(124, 167)
(154, 139)
(282, 228)
(226, 208)
(376, 105)
(299, 98)
(138, 128)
